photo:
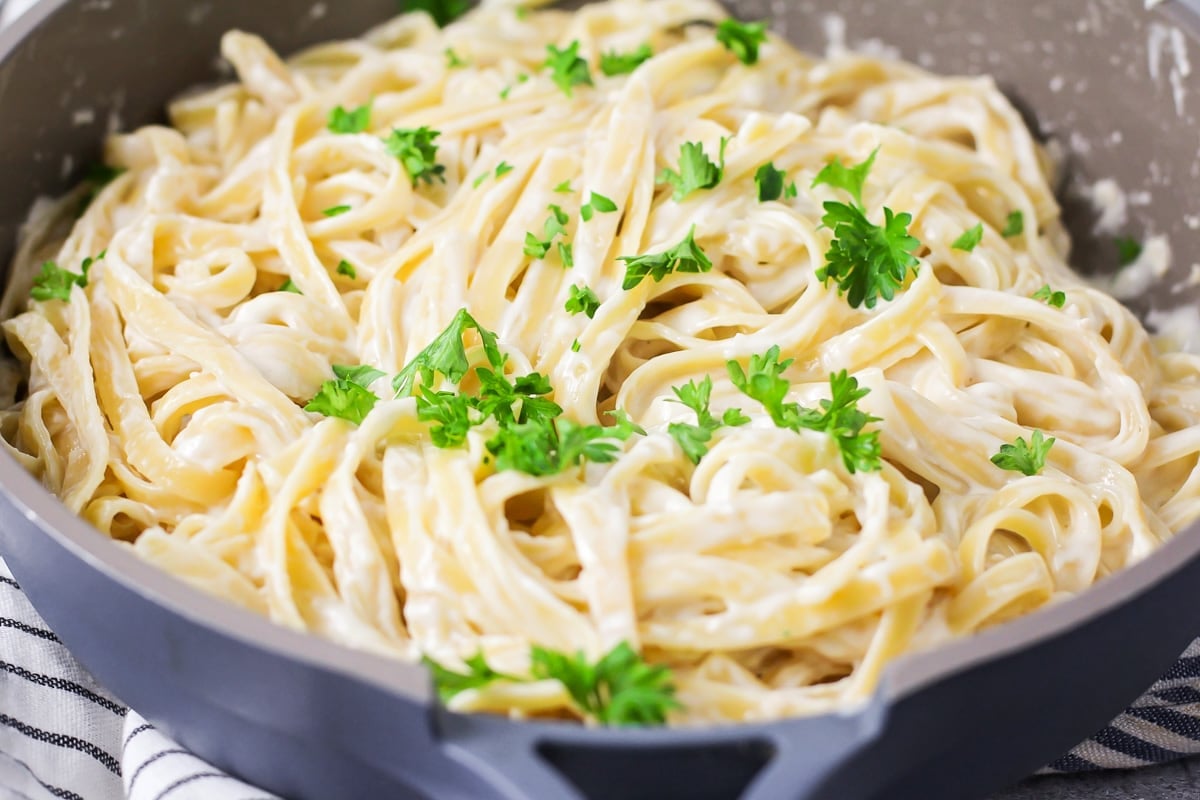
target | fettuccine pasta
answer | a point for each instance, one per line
(163, 398)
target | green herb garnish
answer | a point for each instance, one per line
(1027, 458)
(683, 257)
(742, 38)
(417, 151)
(613, 63)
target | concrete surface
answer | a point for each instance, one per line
(1177, 781)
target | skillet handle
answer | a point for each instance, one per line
(797, 759)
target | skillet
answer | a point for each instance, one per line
(308, 719)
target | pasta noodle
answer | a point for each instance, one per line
(164, 401)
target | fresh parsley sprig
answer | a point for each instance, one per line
(696, 170)
(618, 689)
(596, 203)
(1050, 297)
(969, 239)
(742, 38)
(848, 179)
(348, 396)
(772, 183)
(356, 120)
(416, 149)
(447, 355)
(613, 63)
(582, 300)
(839, 416)
(443, 12)
(1028, 458)
(54, 283)
(683, 257)
(865, 260)
(694, 439)
(1014, 225)
(567, 68)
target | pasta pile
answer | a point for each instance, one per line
(164, 387)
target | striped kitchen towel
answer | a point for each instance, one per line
(62, 736)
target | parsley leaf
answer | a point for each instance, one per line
(565, 188)
(1014, 225)
(347, 396)
(849, 179)
(363, 374)
(566, 254)
(694, 439)
(447, 355)
(1128, 250)
(416, 150)
(1050, 297)
(289, 286)
(772, 183)
(683, 257)
(1027, 458)
(450, 683)
(355, 121)
(453, 59)
(548, 447)
(867, 261)
(503, 168)
(575, 346)
(567, 69)
(556, 225)
(597, 202)
(443, 11)
(335, 211)
(54, 282)
(619, 689)
(450, 411)
(969, 239)
(582, 300)
(742, 38)
(613, 63)
(696, 170)
(839, 416)
(344, 267)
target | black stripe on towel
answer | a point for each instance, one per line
(61, 740)
(40, 633)
(133, 734)
(1134, 747)
(1169, 719)
(9, 581)
(62, 684)
(1179, 695)
(1183, 669)
(198, 776)
(1073, 763)
(159, 756)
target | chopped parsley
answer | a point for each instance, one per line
(447, 355)
(502, 169)
(696, 170)
(597, 202)
(416, 150)
(344, 267)
(453, 59)
(694, 439)
(289, 286)
(1014, 225)
(742, 38)
(54, 282)
(1128, 250)
(613, 63)
(354, 121)
(848, 179)
(443, 12)
(575, 346)
(1050, 297)
(564, 188)
(556, 225)
(582, 300)
(865, 260)
(1027, 458)
(335, 211)
(97, 176)
(839, 416)
(548, 447)
(969, 239)
(566, 254)
(348, 395)
(772, 183)
(683, 257)
(618, 689)
(567, 69)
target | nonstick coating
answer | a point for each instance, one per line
(308, 719)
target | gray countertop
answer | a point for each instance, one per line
(1176, 781)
